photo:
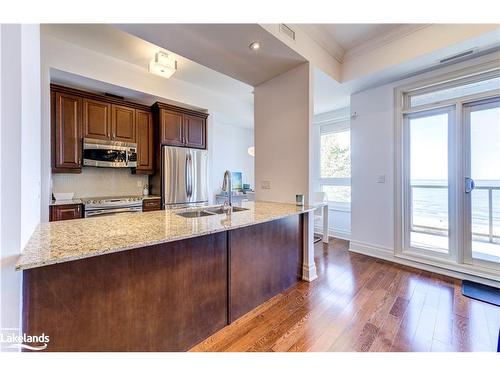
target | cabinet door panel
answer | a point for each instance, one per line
(144, 135)
(66, 212)
(96, 119)
(194, 131)
(171, 128)
(67, 132)
(151, 205)
(123, 120)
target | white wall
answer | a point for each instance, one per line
(372, 154)
(282, 126)
(20, 157)
(230, 145)
(71, 58)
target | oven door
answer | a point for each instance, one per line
(111, 211)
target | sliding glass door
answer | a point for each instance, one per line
(449, 197)
(427, 181)
(482, 183)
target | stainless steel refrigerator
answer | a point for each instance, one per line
(184, 176)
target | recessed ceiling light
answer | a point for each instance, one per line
(254, 46)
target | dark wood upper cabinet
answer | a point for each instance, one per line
(180, 126)
(171, 128)
(144, 136)
(194, 131)
(96, 119)
(66, 132)
(66, 212)
(123, 123)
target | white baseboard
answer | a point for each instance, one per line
(309, 273)
(337, 233)
(388, 254)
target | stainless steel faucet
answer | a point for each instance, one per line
(226, 186)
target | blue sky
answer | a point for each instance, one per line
(429, 146)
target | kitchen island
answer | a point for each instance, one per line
(157, 281)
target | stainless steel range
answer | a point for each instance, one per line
(111, 205)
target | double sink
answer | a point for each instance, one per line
(208, 211)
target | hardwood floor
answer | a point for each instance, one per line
(360, 303)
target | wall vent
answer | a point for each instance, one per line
(287, 31)
(457, 56)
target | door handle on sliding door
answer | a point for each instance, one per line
(469, 185)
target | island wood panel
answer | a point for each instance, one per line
(165, 297)
(264, 260)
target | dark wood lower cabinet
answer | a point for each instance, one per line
(65, 212)
(165, 297)
(151, 205)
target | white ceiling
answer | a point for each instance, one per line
(354, 34)
(111, 41)
(344, 39)
(223, 47)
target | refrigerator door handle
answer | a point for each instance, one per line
(186, 174)
(190, 191)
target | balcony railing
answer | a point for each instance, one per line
(483, 236)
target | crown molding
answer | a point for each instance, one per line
(317, 33)
(389, 37)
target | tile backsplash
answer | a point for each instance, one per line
(99, 182)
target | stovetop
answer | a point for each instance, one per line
(103, 202)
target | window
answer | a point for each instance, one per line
(335, 164)
(437, 96)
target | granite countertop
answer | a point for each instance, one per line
(63, 241)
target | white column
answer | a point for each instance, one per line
(308, 265)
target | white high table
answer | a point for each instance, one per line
(323, 206)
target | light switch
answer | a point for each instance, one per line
(265, 185)
(381, 179)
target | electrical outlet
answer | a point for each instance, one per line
(265, 185)
(139, 183)
(381, 179)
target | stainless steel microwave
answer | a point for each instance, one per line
(109, 154)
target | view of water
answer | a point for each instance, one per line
(430, 206)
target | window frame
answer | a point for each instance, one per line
(336, 125)
(407, 248)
